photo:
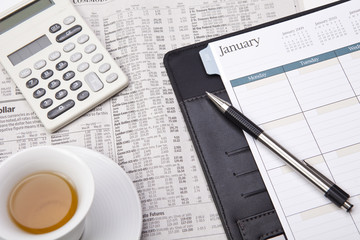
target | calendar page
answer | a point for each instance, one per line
(299, 80)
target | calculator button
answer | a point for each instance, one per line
(68, 33)
(54, 28)
(69, 47)
(83, 66)
(39, 93)
(83, 95)
(97, 58)
(46, 103)
(68, 75)
(54, 84)
(54, 55)
(61, 109)
(47, 74)
(40, 64)
(69, 20)
(61, 65)
(25, 73)
(90, 48)
(76, 57)
(104, 68)
(61, 94)
(112, 77)
(32, 83)
(94, 81)
(76, 85)
(83, 39)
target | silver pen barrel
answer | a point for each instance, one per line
(318, 179)
(331, 190)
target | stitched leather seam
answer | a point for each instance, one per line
(242, 226)
(258, 216)
(202, 96)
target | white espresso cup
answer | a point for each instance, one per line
(46, 159)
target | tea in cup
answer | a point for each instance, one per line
(46, 193)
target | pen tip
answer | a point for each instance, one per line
(221, 104)
(348, 206)
(210, 95)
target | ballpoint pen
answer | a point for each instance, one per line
(331, 190)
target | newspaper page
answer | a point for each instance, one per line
(142, 128)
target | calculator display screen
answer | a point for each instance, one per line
(23, 14)
(29, 50)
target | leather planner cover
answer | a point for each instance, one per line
(242, 201)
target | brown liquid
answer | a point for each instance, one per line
(42, 202)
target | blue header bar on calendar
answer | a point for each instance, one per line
(296, 65)
(348, 49)
(257, 76)
(309, 61)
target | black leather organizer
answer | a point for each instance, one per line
(242, 201)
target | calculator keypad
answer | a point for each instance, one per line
(83, 95)
(39, 93)
(61, 109)
(83, 39)
(54, 56)
(77, 79)
(32, 83)
(104, 68)
(94, 82)
(76, 85)
(69, 20)
(90, 48)
(83, 66)
(69, 75)
(62, 37)
(25, 73)
(76, 57)
(112, 77)
(46, 103)
(61, 94)
(40, 64)
(47, 74)
(69, 47)
(54, 84)
(55, 28)
(61, 65)
(97, 58)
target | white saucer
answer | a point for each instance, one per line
(116, 211)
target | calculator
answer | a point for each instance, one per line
(56, 61)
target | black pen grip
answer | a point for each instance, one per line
(243, 122)
(338, 196)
